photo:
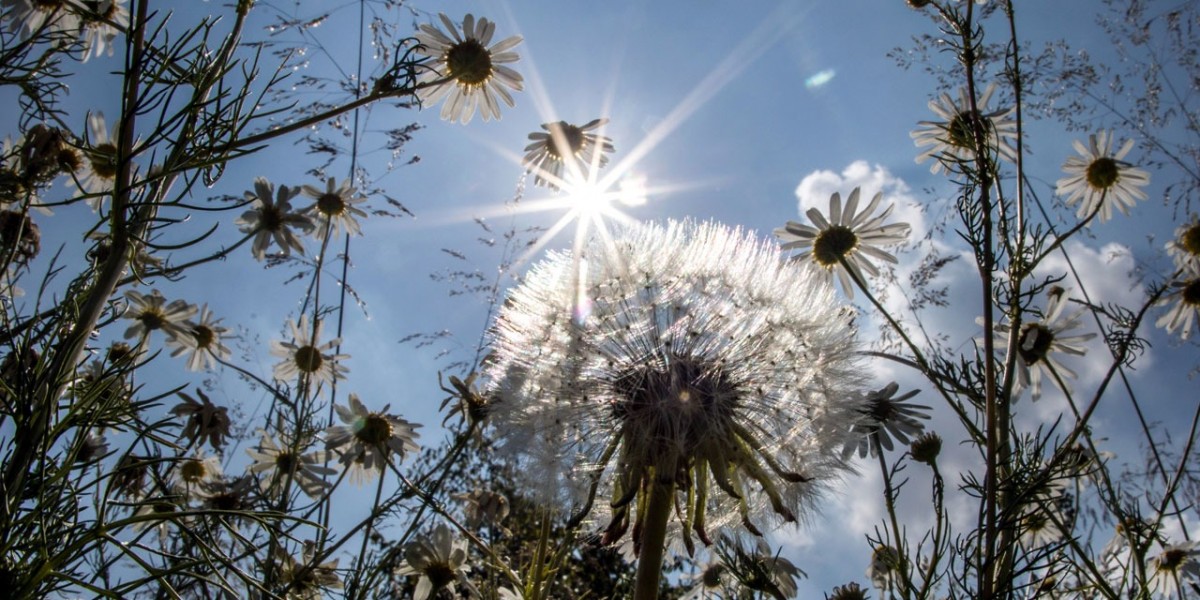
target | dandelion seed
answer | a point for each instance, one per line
(465, 71)
(1099, 179)
(951, 141)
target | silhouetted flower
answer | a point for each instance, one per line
(1099, 180)
(465, 71)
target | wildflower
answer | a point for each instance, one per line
(101, 25)
(1098, 179)
(565, 146)
(92, 448)
(226, 494)
(483, 507)
(926, 448)
(465, 71)
(205, 421)
(201, 342)
(38, 17)
(304, 358)
(1040, 340)
(129, 476)
(886, 418)
(273, 219)
(193, 472)
(99, 171)
(850, 591)
(367, 437)
(304, 579)
(884, 566)
(951, 141)
(284, 461)
(1047, 518)
(438, 561)
(1185, 248)
(152, 313)
(35, 159)
(1176, 563)
(334, 207)
(20, 238)
(847, 235)
(1185, 292)
(689, 353)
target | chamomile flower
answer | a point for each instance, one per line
(1099, 179)
(688, 352)
(201, 342)
(193, 472)
(366, 439)
(1176, 564)
(886, 418)
(305, 357)
(334, 207)
(271, 218)
(304, 579)
(1041, 341)
(1185, 293)
(1185, 248)
(38, 17)
(151, 312)
(465, 71)
(563, 146)
(438, 560)
(884, 568)
(275, 463)
(1047, 518)
(951, 141)
(98, 175)
(203, 420)
(847, 235)
(100, 26)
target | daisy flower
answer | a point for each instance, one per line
(1185, 293)
(304, 579)
(335, 207)
(304, 358)
(1039, 341)
(850, 591)
(367, 437)
(1185, 248)
(152, 313)
(688, 353)
(465, 71)
(203, 420)
(846, 234)
(564, 146)
(1177, 563)
(201, 342)
(1099, 180)
(884, 568)
(36, 17)
(193, 472)
(886, 418)
(1047, 519)
(101, 26)
(951, 141)
(276, 462)
(438, 561)
(98, 175)
(273, 219)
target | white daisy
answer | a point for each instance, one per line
(465, 71)
(1040, 340)
(275, 462)
(1047, 518)
(334, 207)
(192, 473)
(1099, 180)
(305, 579)
(439, 562)
(271, 218)
(565, 146)
(1185, 248)
(1185, 293)
(39, 17)
(201, 342)
(105, 19)
(886, 418)
(847, 234)
(1176, 564)
(152, 313)
(304, 356)
(367, 437)
(951, 141)
(98, 175)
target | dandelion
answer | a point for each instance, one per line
(98, 176)
(848, 235)
(305, 579)
(203, 419)
(269, 219)
(334, 207)
(886, 418)
(304, 358)
(1185, 293)
(438, 561)
(564, 146)
(201, 342)
(151, 313)
(1099, 179)
(1170, 568)
(101, 25)
(951, 141)
(284, 461)
(1185, 248)
(465, 71)
(689, 354)
(367, 437)
(1041, 340)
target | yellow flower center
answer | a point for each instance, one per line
(565, 140)
(1035, 342)
(1190, 240)
(469, 63)
(962, 128)
(193, 471)
(204, 336)
(376, 430)
(152, 319)
(331, 205)
(1191, 293)
(1102, 173)
(308, 359)
(1171, 559)
(286, 462)
(104, 161)
(833, 244)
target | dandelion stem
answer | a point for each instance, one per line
(653, 542)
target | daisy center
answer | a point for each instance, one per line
(204, 336)
(225, 501)
(376, 430)
(152, 319)
(308, 359)
(1102, 173)
(1171, 559)
(566, 140)
(469, 62)
(47, 5)
(286, 462)
(833, 244)
(1191, 293)
(331, 205)
(270, 218)
(1035, 342)
(104, 161)
(193, 471)
(440, 574)
(962, 128)
(1190, 240)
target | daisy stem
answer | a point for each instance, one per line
(889, 499)
(654, 537)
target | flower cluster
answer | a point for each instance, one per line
(200, 341)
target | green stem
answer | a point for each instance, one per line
(653, 542)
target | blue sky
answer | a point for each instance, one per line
(715, 100)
